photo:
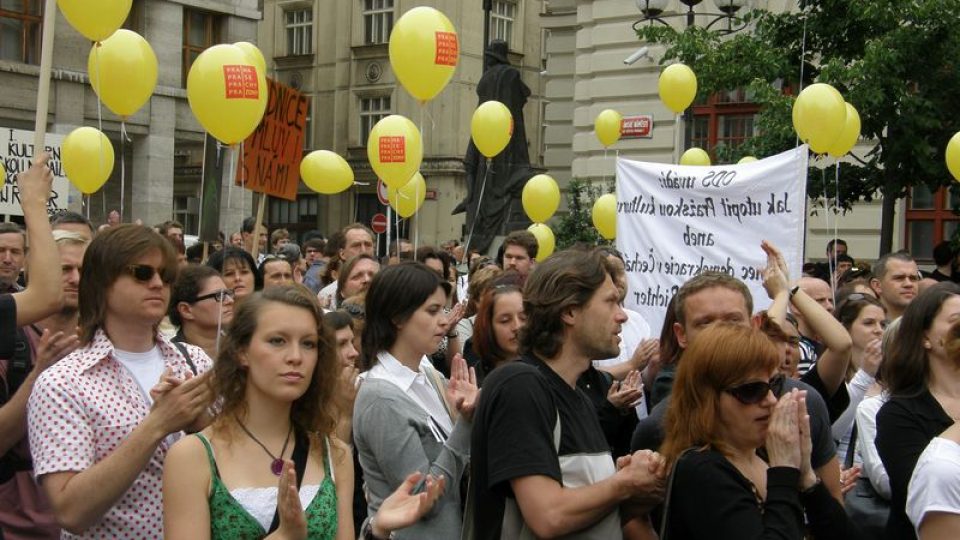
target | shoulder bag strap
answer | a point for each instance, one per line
(851, 448)
(666, 501)
(440, 388)
(186, 355)
(301, 451)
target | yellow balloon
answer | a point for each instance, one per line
(953, 156)
(424, 51)
(123, 72)
(546, 242)
(254, 54)
(326, 172)
(819, 116)
(541, 198)
(95, 19)
(395, 150)
(491, 128)
(3, 174)
(226, 93)
(695, 156)
(678, 87)
(850, 134)
(87, 157)
(407, 200)
(605, 216)
(607, 126)
(746, 159)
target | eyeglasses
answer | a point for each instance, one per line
(218, 295)
(752, 393)
(145, 273)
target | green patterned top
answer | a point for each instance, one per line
(229, 520)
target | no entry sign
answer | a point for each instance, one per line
(379, 223)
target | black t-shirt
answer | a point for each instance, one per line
(8, 325)
(513, 436)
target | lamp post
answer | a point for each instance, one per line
(655, 11)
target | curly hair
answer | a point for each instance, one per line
(313, 412)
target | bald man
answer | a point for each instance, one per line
(810, 347)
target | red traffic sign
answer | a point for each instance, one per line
(382, 193)
(379, 223)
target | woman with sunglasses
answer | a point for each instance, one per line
(201, 306)
(238, 270)
(407, 416)
(723, 410)
(924, 386)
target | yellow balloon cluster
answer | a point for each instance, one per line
(407, 200)
(424, 51)
(87, 157)
(123, 72)
(695, 156)
(678, 87)
(819, 116)
(227, 93)
(608, 126)
(953, 156)
(541, 198)
(95, 19)
(491, 127)
(326, 172)
(605, 216)
(395, 150)
(849, 135)
(546, 241)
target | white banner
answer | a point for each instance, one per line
(16, 151)
(675, 221)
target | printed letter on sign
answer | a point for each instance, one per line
(447, 49)
(240, 82)
(393, 149)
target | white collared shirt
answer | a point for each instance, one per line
(415, 384)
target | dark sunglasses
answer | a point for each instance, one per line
(145, 272)
(752, 393)
(218, 295)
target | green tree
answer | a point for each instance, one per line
(895, 61)
(576, 225)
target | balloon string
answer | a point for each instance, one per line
(416, 215)
(826, 215)
(216, 349)
(243, 182)
(836, 227)
(123, 170)
(96, 54)
(229, 181)
(803, 56)
(676, 138)
(203, 192)
(476, 216)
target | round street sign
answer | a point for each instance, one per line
(382, 193)
(379, 223)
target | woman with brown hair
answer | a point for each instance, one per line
(496, 330)
(724, 409)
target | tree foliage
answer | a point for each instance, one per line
(576, 225)
(895, 61)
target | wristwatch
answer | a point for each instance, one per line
(453, 335)
(793, 291)
(366, 533)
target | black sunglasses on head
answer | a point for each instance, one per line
(754, 392)
(145, 272)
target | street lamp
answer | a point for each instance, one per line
(653, 10)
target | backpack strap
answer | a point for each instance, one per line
(186, 355)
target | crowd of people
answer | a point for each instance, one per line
(266, 388)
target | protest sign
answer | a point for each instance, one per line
(675, 221)
(16, 151)
(272, 154)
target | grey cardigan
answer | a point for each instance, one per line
(393, 439)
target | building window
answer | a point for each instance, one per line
(200, 31)
(135, 18)
(377, 21)
(372, 110)
(299, 32)
(298, 217)
(502, 14)
(727, 118)
(931, 219)
(21, 25)
(186, 210)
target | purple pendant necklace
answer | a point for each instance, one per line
(276, 466)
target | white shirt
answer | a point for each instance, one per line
(867, 447)
(415, 384)
(933, 485)
(146, 368)
(328, 292)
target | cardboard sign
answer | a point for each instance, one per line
(272, 154)
(16, 151)
(675, 221)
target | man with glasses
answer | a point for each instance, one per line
(896, 280)
(201, 306)
(102, 419)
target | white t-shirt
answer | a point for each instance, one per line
(934, 485)
(328, 295)
(146, 367)
(632, 333)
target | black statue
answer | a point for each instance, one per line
(487, 204)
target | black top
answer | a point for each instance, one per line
(617, 424)
(8, 325)
(649, 432)
(905, 425)
(836, 402)
(513, 436)
(711, 500)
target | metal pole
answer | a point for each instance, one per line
(487, 8)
